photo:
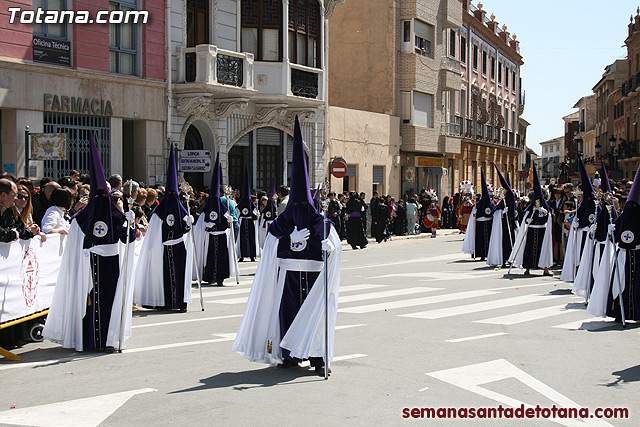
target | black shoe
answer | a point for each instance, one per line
(253, 259)
(109, 350)
(286, 364)
(320, 370)
(241, 259)
(183, 310)
(354, 247)
(219, 284)
(527, 272)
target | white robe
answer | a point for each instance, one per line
(263, 227)
(582, 281)
(469, 244)
(602, 284)
(149, 281)
(519, 245)
(202, 246)
(69, 304)
(260, 323)
(495, 255)
(570, 261)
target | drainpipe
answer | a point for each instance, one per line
(168, 72)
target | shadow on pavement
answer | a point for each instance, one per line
(628, 375)
(245, 380)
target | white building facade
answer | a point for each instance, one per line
(241, 71)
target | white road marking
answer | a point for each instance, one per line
(90, 411)
(415, 302)
(527, 316)
(305, 364)
(348, 288)
(204, 319)
(477, 337)
(471, 377)
(522, 286)
(480, 306)
(385, 294)
(229, 301)
(430, 276)
(222, 338)
(444, 257)
(350, 326)
(589, 324)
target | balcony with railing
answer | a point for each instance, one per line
(237, 73)
(480, 132)
(210, 65)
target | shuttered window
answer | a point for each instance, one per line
(378, 175)
(351, 170)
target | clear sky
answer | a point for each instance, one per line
(565, 45)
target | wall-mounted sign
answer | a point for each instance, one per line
(51, 51)
(48, 146)
(9, 167)
(73, 104)
(195, 161)
(429, 162)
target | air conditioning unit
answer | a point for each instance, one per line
(406, 47)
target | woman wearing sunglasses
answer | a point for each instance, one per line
(21, 211)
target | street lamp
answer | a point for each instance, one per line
(598, 147)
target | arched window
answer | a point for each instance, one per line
(262, 29)
(304, 33)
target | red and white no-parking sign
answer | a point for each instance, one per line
(339, 168)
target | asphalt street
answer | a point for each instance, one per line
(420, 325)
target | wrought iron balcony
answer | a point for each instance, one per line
(208, 64)
(304, 81)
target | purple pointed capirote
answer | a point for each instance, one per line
(96, 177)
(172, 173)
(604, 178)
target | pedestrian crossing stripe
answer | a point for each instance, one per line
(473, 377)
(89, 412)
(527, 316)
(480, 306)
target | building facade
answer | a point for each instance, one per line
(74, 78)
(241, 72)
(552, 156)
(584, 139)
(451, 77)
(612, 78)
(629, 129)
(488, 109)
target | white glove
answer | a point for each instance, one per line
(611, 228)
(188, 219)
(130, 216)
(529, 220)
(328, 246)
(543, 211)
(299, 236)
(592, 230)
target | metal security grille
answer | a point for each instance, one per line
(77, 128)
(351, 170)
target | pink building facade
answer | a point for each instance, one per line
(75, 77)
(486, 110)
